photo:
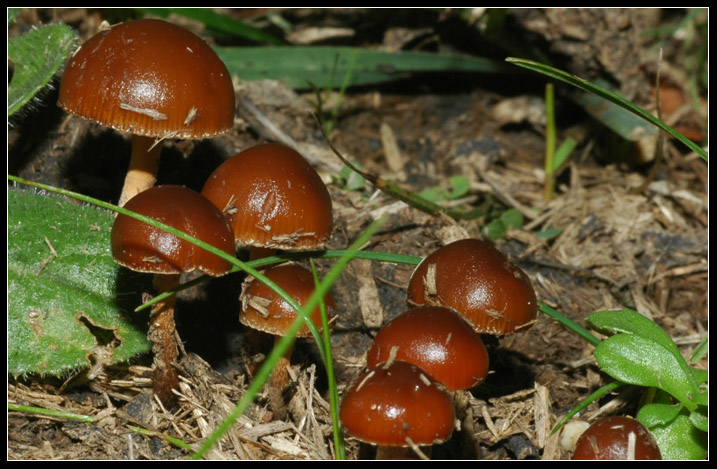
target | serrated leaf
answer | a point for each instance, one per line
(64, 287)
(636, 360)
(37, 55)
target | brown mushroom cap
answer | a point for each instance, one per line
(436, 339)
(144, 248)
(264, 310)
(609, 439)
(152, 78)
(273, 198)
(475, 279)
(387, 405)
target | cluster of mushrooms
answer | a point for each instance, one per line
(403, 401)
(127, 78)
(157, 81)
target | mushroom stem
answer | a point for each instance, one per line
(256, 252)
(280, 375)
(143, 166)
(161, 334)
(402, 452)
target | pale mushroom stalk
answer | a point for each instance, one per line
(143, 166)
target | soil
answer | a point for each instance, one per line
(629, 237)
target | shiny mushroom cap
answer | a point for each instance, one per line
(616, 438)
(436, 339)
(144, 248)
(396, 402)
(264, 310)
(273, 198)
(152, 78)
(475, 279)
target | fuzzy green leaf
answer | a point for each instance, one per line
(66, 296)
(37, 56)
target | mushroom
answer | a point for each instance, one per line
(264, 310)
(616, 438)
(397, 406)
(475, 279)
(143, 248)
(436, 339)
(273, 199)
(154, 80)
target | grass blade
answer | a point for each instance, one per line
(608, 95)
(306, 67)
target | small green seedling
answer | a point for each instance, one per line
(638, 352)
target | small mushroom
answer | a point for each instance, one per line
(436, 339)
(616, 438)
(397, 406)
(264, 310)
(273, 199)
(475, 279)
(152, 79)
(143, 248)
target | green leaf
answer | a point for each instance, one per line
(700, 419)
(636, 360)
(66, 296)
(37, 56)
(306, 67)
(549, 233)
(632, 322)
(508, 220)
(652, 415)
(609, 96)
(352, 180)
(679, 439)
(701, 350)
(460, 185)
(563, 152)
(620, 120)
(218, 22)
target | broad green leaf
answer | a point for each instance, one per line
(306, 67)
(700, 419)
(66, 296)
(679, 439)
(636, 360)
(631, 322)
(37, 56)
(658, 414)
